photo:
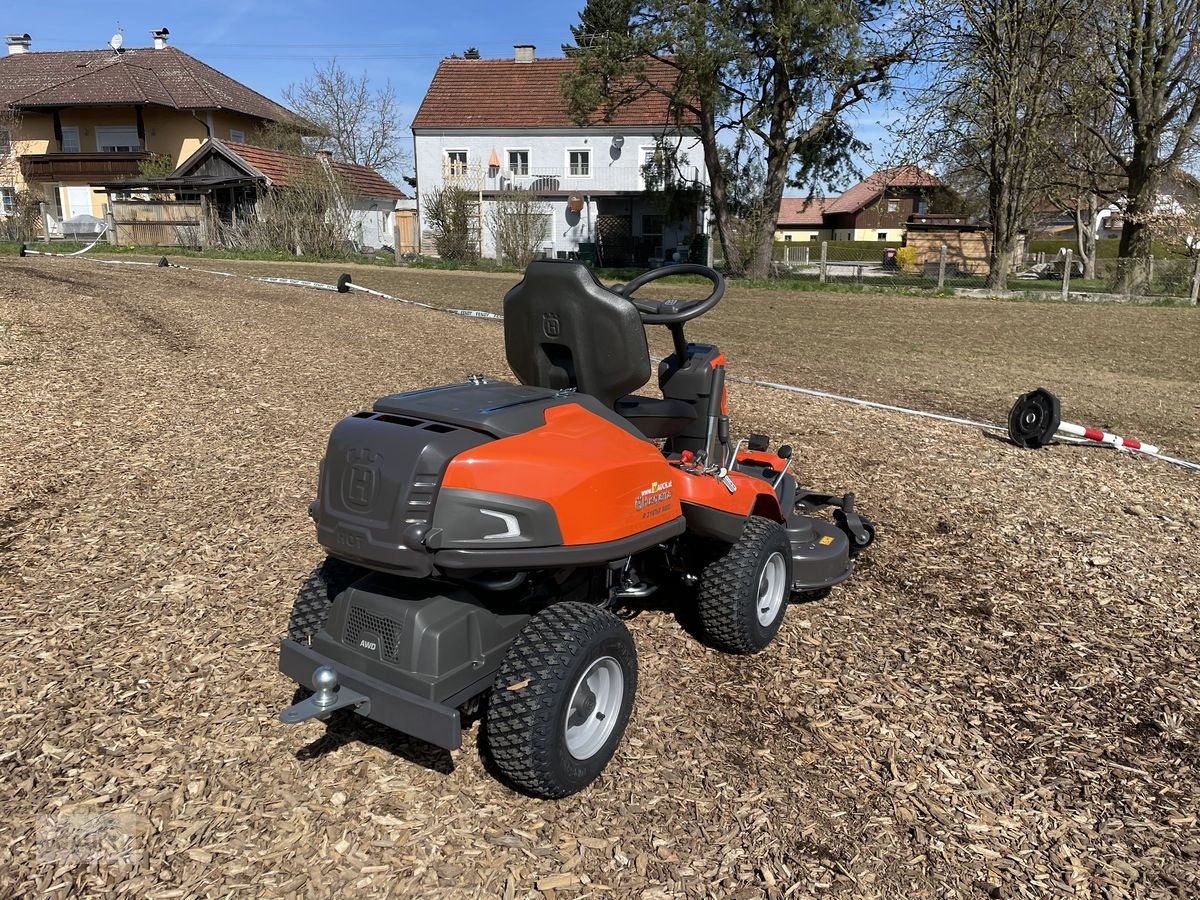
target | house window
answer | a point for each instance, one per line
(117, 139)
(893, 205)
(456, 162)
(652, 226)
(579, 163)
(70, 139)
(238, 137)
(518, 162)
(5, 143)
(8, 200)
(787, 237)
(881, 235)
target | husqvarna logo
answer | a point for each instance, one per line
(361, 479)
(550, 325)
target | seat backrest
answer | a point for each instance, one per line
(563, 329)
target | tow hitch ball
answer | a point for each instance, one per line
(329, 697)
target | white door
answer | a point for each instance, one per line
(77, 201)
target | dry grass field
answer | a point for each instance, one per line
(1004, 702)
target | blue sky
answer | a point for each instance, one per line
(269, 44)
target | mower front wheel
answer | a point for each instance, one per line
(744, 592)
(561, 699)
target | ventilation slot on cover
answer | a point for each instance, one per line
(387, 630)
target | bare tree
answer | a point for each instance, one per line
(359, 124)
(1082, 179)
(1152, 62)
(993, 102)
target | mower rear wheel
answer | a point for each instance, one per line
(562, 699)
(743, 593)
(320, 589)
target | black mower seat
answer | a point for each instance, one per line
(656, 417)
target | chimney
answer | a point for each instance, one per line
(160, 38)
(523, 52)
(17, 43)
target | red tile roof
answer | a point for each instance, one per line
(863, 193)
(503, 93)
(803, 212)
(167, 77)
(279, 168)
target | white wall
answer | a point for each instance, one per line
(612, 168)
(373, 221)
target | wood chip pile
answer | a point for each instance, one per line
(1004, 702)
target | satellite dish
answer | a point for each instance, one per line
(117, 40)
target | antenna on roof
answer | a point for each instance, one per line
(117, 39)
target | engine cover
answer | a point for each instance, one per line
(378, 485)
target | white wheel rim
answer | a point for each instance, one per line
(594, 708)
(772, 587)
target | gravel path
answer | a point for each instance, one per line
(1004, 702)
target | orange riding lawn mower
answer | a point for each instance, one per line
(483, 537)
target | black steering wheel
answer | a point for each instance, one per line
(672, 312)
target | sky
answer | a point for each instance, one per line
(269, 44)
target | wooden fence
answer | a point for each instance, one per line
(160, 223)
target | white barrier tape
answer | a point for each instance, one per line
(987, 426)
(1068, 432)
(465, 313)
(25, 252)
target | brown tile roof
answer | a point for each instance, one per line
(167, 77)
(280, 167)
(871, 187)
(802, 212)
(503, 93)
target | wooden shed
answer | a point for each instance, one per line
(967, 243)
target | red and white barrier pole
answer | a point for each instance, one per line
(1122, 443)
(1035, 421)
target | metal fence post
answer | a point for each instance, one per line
(942, 268)
(1066, 282)
(1195, 283)
(1150, 273)
(824, 253)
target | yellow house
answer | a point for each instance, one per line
(73, 119)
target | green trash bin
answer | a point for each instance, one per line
(587, 254)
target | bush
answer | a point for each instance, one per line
(451, 215)
(309, 217)
(24, 223)
(518, 222)
(906, 259)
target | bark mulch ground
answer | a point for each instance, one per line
(1004, 702)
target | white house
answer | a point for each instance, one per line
(491, 125)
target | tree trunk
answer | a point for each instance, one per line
(717, 191)
(1000, 251)
(1139, 207)
(1087, 234)
(764, 231)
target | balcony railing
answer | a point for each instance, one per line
(82, 166)
(602, 179)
